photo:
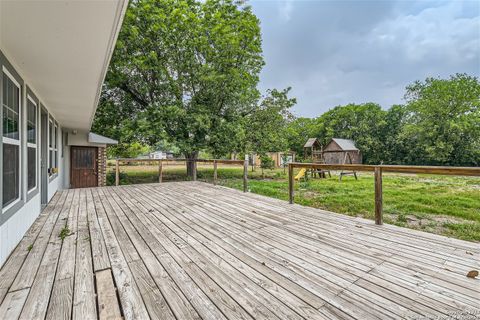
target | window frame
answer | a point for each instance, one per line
(35, 102)
(53, 130)
(11, 141)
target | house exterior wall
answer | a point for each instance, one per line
(80, 138)
(16, 218)
(158, 155)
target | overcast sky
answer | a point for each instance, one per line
(336, 52)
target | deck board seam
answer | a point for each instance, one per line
(26, 256)
(213, 279)
(142, 261)
(171, 200)
(254, 258)
(102, 197)
(173, 258)
(387, 244)
(215, 253)
(45, 210)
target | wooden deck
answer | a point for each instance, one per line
(191, 250)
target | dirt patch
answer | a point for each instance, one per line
(308, 194)
(414, 221)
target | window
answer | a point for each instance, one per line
(52, 147)
(55, 149)
(11, 139)
(31, 143)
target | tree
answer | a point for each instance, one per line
(266, 163)
(266, 126)
(394, 149)
(363, 123)
(443, 121)
(297, 133)
(127, 150)
(185, 71)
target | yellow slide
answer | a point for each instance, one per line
(301, 174)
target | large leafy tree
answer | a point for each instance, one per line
(185, 71)
(266, 127)
(443, 121)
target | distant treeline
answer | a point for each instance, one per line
(438, 125)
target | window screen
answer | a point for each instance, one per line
(31, 122)
(32, 167)
(10, 108)
(11, 140)
(31, 145)
(11, 170)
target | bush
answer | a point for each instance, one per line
(266, 162)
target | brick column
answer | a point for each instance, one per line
(102, 167)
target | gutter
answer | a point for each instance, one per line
(120, 14)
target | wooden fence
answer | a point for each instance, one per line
(214, 162)
(378, 170)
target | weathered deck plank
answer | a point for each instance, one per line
(108, 307)
(18, 256)
(61, 300)
(197, 251)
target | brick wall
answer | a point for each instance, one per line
(102, 167)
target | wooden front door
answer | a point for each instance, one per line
(83, 167)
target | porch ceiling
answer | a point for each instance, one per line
(62, 50)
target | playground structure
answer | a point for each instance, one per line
(313, 150)
(336, 151)
(342, 151)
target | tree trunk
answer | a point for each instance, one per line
(191, 165)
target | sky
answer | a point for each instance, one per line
(338, 52)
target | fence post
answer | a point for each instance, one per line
(117, 173)
(291, 181)
(160, 171)
(214, 172)
(245, 174)
(378, 196)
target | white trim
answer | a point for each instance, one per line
(52, 124)
(31, 100)
(16, 142)
(5, 70)
(10, 205)
(11, 141)
(32, 145)
(36, 168)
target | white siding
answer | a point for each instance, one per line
(12, 231)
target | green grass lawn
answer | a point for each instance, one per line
(439, 204)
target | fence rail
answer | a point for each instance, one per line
(378, 170)
(215, 163)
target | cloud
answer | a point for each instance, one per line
(285, 10)
(337, 52)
